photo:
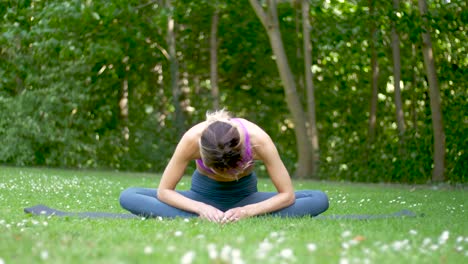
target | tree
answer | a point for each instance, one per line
(397, 75)
(269, 20)
(214, 58)
(174, 69)
(374, 74)
(434, 94)
(313, 132)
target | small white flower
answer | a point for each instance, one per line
(236, 253)
(346, 233)
(178, 233)
(426, 241)
(2, 261)
(186, 220)
(344, 261)
(287, 253)
(226, 253)
(188, 257)
(413, 232)
(44, 255)
(171, 248)
(345, 245)
(265, 245)
(148, 250)
(311, 247)
(212, 252)
(444, 237)
(400, 245)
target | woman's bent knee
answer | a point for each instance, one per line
(127, 195)
(323, 201)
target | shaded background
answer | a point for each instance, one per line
(88, 84)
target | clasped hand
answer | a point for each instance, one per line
(213, 214)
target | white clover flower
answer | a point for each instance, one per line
(178, 233)
(236, 253)
(287, 253)
(186, 220)
(274, 234)
(344, 261)
(212, 252)
(400, 245)
(345, 245)
(413, 232)
(148, 250)
(2, 261)
(171, 248)
(265, 245)
(311, 247)
(444, 237)
(426, 241)
(236, 257)
(188, 257)
(346, 233)
(44, 255)
(226, 253)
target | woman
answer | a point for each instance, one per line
(224, 185)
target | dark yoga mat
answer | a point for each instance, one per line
(47, 211)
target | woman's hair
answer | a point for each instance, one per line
(221, 146)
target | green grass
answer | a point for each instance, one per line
(39, 239)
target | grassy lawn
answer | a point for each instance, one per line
(440, 236)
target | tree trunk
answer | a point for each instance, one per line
(434, 94)
(123, 104)
(269, 20)
(174, 69)
(397, 76)
(374, 77)
(414, 102)
(313, 132)
(214, 60)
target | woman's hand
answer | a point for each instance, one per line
(210, 213)
(234, 215)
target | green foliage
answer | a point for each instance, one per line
(64, 63)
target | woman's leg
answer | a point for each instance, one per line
(308, 203)
(144, 202)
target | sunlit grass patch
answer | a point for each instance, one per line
(439, 236)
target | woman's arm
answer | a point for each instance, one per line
(266, 151)
(186, 150)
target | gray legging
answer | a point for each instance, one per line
(222, 195)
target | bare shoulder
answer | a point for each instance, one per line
(259, 138)
(188, 144)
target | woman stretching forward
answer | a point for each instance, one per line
(224, 185)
